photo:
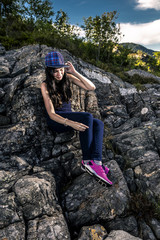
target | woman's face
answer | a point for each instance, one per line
(58, 73)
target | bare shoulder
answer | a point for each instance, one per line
(43, 85)
(44, 88)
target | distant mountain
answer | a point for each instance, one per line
(135, 47)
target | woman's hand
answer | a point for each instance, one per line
(70, 68)
(77, 125)
(78, 79)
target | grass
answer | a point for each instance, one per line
(143, 208)
(137, 80)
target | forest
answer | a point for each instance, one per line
(31, 22)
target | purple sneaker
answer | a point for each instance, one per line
(96, 170)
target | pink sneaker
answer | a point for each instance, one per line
(106, 169)
(96, 170)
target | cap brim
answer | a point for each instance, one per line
(58, 66)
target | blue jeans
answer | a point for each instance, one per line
(91, 139)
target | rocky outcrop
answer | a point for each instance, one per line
(44, 194)
(143, 74)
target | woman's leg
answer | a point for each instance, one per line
(95, 166)
(97, 141)
(86, 137)
(91, 141)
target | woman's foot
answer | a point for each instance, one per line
(96, 170)
(106, 169)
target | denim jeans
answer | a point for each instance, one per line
(91, 139)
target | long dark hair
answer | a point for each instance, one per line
(58, 91)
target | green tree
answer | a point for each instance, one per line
(35, 10)
(22, 22)
(157, 57)
(102, 32)
(121, 56)
(62, 24)
(9, 13)
(8, 8)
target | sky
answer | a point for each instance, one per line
(139, 19)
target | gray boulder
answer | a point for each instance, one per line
(142, 73)
(121, 235)
(93, 232)
(98, 202)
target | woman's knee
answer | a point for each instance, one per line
(86, 118)
(88, 115)
(98, 123)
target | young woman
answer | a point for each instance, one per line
(57, 95)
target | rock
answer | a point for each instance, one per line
(121, 235)
(57, 150)
(64, 137)
(8, 143)
(96, 198)
(155, 226)
(2, 93)
(24, 62)
(134, 142)
(128, 91)
(2, 108)
(4, 67)
(142, 73)
(130, 179)
(91, 104)
(4, 120)
(9, 212)
(2, 49)
(148, 174)
(95, 73)
(15, 231)
(4, 81)
(44, 193)
(4, 71)
(127, 224)
(157, 138)
(92, 232)
(127, 125)
(117, 110)
(12, 168)
(36, 195)
(146, 231)
(13, 86)
(48, 227)
(140, 148)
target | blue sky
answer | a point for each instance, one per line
(139, 19)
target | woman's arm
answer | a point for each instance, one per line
(51, 112)
(78, 78)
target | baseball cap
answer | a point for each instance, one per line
(54, 60)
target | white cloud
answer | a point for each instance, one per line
(148, 4)
(79, 31)
(81, 3)
(144, 33)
